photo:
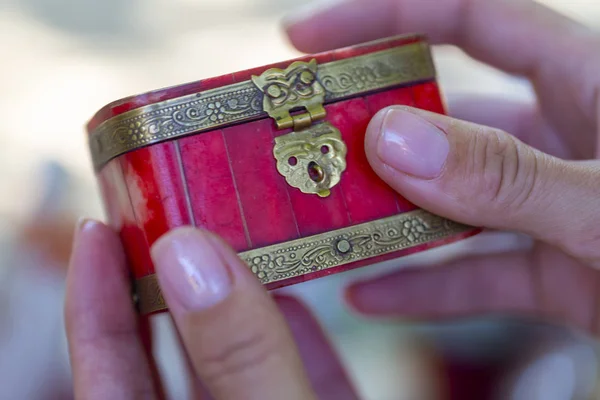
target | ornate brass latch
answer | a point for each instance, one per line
(313, 156)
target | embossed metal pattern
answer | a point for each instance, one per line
(328, 250)
(284, 90)
(376, 71)
(148, 295)
(313, 159)
(243, 101)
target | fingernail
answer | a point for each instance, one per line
(309, 10)
(190, 269)
(84, 224)
(412, 145)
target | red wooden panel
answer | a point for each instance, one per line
(153, 177)
(110, 181)
(401, 96)
(267, 209)
(428, 97)
(316, 215)
(212, 189)
(121, 218)
(367, 196)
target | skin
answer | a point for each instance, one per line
(530, 168)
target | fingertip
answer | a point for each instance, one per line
(381, 295)
(305, 25)
(98, 289)
(93, 240)
(375, 125)
(166, 240)
(83, 223)
(375, 129)
(298, 32)
(100, 320)
(192, 270)
(303, 37)
(187, 233)
(353, 298)
(372, 135)
(87, 226)
(293, 309)
(348, 298)
(294, 36)
(95, 245)
(348, 293)
(286, 300)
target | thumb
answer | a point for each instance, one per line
(485, 177)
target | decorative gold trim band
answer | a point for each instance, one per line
(243, 101)
(327, 250)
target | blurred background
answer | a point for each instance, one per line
(64, 59)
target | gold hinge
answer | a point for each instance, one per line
(292, 89)
(312, 157)
(303, 120)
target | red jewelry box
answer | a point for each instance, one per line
(272, 160)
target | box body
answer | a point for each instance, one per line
(273, 161)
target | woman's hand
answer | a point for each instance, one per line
(237, 341)
(530, 168)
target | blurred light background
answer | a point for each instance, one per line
(64, 59)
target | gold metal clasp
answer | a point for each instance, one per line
(291, 89)
(312, 157)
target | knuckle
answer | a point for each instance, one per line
(249, 349)
(580, 233)
(501, 171)
(586, 246)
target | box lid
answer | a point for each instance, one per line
(278, 91)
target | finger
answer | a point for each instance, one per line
(482, 284)
(488, 29)
(197, 390)
(485, 177)
(236, 338)
(325, 25)
(520, 37)
(322, 364)
(555, 290)
(521, 118)
(107, 357)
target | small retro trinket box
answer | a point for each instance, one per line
(272, 160)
